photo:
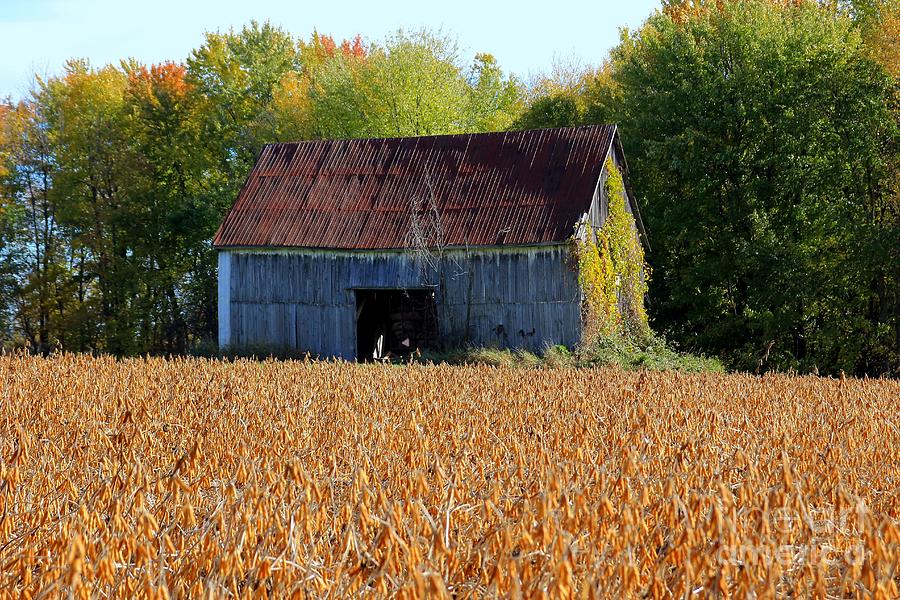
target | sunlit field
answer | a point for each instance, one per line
(194, 478)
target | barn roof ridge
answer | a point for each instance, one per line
(498, 188)
(435, 135)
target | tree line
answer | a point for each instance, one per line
(761, 139)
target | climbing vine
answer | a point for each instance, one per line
(597, 279)
(612, 271)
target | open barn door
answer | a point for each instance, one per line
(394, 322)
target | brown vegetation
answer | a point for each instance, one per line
(168, 478)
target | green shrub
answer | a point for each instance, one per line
(655, 354)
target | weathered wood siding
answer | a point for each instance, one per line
(519, 297)
(599, 209)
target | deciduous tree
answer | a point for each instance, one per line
(761, 139)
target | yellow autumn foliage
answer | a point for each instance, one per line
(612, 271)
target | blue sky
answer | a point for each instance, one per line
(37, 36)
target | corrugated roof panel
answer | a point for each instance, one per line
(525, 187)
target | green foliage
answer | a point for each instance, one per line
(494, 99)
(414, 84)
(763, 146)
(609, 351)
(654, 353)
(559, 110)
(572, 95)
(236, 75)
(325, 97)
(93, 167)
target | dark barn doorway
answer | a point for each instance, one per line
(394, 322)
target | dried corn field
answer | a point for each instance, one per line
(197, 478)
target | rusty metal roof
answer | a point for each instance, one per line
(513, 188)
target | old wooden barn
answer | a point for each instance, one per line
(369, 247)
